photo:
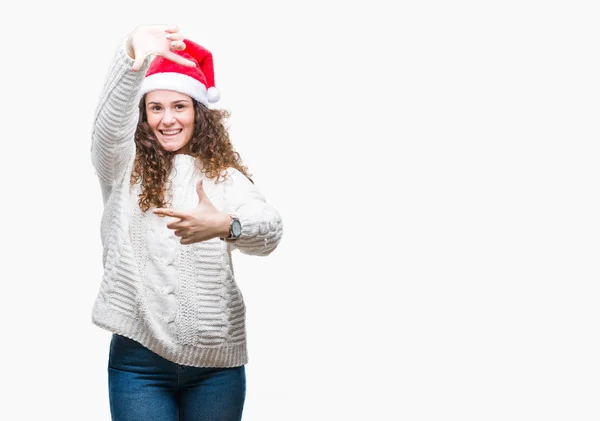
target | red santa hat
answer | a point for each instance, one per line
(198, 82)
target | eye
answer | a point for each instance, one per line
(179, 106)
(155, 108)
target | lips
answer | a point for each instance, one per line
(170, 132)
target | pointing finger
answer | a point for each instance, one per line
(170, 212)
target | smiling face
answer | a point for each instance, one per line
(170, 114)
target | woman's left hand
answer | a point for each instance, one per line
(200, 223)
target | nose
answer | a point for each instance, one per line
(168, 118)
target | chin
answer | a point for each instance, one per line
(171, 148)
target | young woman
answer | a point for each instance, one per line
(177, 202)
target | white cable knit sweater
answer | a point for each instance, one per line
(180, 301)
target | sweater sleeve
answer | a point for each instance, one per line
(116, 117)
(262, 227)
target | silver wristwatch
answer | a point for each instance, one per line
(235, 229)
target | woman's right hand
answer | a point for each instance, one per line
(158, 40)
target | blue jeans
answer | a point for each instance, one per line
(146, 387)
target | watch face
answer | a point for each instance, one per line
(236, 228)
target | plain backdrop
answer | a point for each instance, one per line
(437, 168)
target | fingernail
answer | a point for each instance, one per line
(167, 35)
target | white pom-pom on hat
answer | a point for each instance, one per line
(213, 94)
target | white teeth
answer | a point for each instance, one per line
(170, 132)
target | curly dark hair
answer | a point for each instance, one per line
(210, 145)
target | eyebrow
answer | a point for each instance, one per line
(174, 102)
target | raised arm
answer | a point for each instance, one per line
(116, 116)
(262, 227)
